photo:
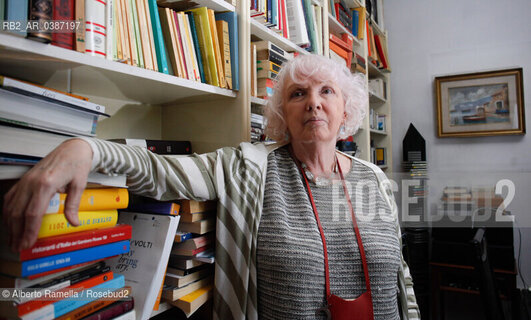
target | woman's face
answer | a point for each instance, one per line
(313, 111)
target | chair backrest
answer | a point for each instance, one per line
(490, 297)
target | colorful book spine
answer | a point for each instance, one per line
(206, 45)
(232, 20)
(162, 60)
(93, 200)
(138, 41)
(112, 312)
(36, 266)
(193, 29)
(76, 241)
(63, 11)
(169, 208)
(182, 236)
(95, 31)
(64, 306)
(36, 304)
(80, 32)
(217, 51)
(93, 307)
(56, 224)
(17, 10)
(42, 11)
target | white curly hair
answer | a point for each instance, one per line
(309, 67)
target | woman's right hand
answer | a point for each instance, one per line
(65, 170)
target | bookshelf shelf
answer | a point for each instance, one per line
(375, 99)
(22, 58)
(336, 28)
(265, 33)
(216, 5)
(374, 71)
(258, 101)
(376, 28)
(379, 132)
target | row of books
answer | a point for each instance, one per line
(298, 21)
(341, 49)
(377, 121)
(378, 155)
(67, 264)
(464, 199)
(195, 44)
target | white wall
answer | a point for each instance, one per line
(432, 38)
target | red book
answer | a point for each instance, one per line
(340, 42)
(284, 18)
(63, 10)
(114, 310)
(45, 247)
(380, 50)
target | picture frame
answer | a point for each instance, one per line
(480, 104)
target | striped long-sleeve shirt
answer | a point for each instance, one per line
(236, 177)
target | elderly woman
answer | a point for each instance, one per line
(303, 231)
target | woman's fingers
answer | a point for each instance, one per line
(66, 167)
(74, 192)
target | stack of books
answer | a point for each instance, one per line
(257, 127)
(342, 14)
(67, 272)
(341, 49)
(190, 273)
(417, 170)
(269, 59)
(35, 119)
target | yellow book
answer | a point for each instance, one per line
(116, 29)
(205, 45)
(223, 38)
(361, 22)
(193, 301)
(92, 200)
(217, 51)
(56, 224)
(80, 32)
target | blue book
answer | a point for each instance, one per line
(168, 208)
(269, 11)
(196, 46)
(274, 13)
(64, 306)
(355, 22)
(162, 60)
(17, 11)
(232, 20)
(36, 266)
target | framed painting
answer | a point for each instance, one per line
(480, 104)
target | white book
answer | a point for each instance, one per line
(145, 265)
(26, 142)
(191, 45)
(41, 114)
(95, 33)
(109, 26)
(317, 19)
(18, 85)
(186, 50)
(297, 24)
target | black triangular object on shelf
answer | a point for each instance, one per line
(413, 145)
